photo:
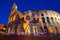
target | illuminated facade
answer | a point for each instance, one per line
(3, 28)
(36, 22)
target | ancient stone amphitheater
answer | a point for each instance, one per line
(33, 22)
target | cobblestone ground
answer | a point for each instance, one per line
(28, 37)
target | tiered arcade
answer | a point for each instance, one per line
(36, 22)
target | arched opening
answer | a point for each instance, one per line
(35, 31)
(51, 30)
(26, 28)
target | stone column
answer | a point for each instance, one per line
(38, 28)
(31, 29)
(18, 30)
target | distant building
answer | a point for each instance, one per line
(36, 22)
(3, 28)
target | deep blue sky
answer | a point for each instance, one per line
(24, 5)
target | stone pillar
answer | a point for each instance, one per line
(9, 31)
(31, 29)
(12, 30)
(15, 30)
(18, 30)
(22, 31)
(38, 29)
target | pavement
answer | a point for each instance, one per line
(29, 37)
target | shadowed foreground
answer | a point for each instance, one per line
(14, 37)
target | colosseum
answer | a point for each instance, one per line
(33, 22)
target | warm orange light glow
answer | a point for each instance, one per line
(51, 29)
(1, 32)
(10, 19)
(14, 17)
(26, 28)
(27, 17)
(25, 25)
(4, 28)
(20, 15)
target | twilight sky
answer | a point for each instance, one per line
(24, 5)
